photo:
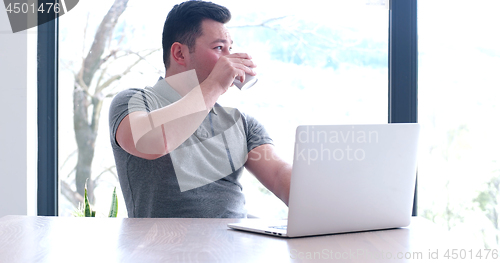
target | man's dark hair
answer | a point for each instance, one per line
(183, 24)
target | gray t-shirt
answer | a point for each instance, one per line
(198, 179)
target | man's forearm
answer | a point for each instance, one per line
(283, 182)
(272, 171)
(170, 126)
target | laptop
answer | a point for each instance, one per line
(348, 178)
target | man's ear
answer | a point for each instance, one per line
(178, 52)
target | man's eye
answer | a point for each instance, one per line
(218, 48)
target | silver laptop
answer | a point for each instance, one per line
(348, 178)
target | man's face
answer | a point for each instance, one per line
(214, 42)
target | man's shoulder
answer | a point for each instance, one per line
(129, 91)
(132, 91)
(125, 95)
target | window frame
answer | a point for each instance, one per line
(403, 66)
(47, 82)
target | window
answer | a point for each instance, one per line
(323, 63)
(459, 172)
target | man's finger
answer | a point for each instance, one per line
(245, 62)
(240, 55)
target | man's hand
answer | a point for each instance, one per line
(223, 74)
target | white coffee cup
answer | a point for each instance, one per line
(249, 82)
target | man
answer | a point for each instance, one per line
(177, 152)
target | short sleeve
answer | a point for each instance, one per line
(126, 102)
(256, 133)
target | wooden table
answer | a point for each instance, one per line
(60, 239)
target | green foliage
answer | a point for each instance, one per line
(489, 201)
(79, 212)
(88, 210)
(85, 210)
(113, 211)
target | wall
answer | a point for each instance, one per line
(17, 126)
